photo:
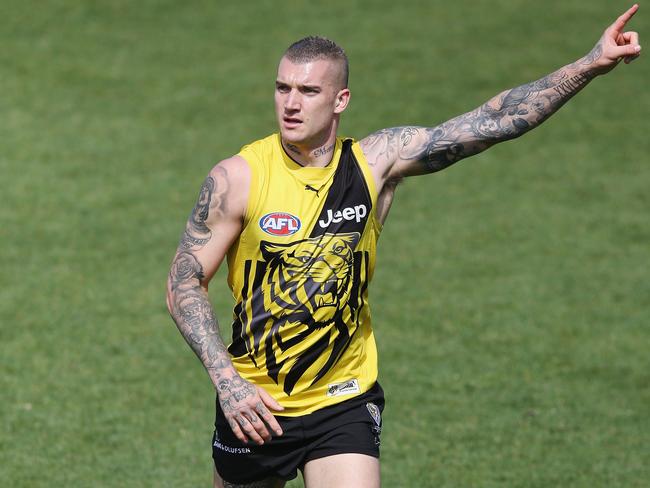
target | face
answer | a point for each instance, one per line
(308, 101)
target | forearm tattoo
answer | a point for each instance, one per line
(189, 304)
(506, 116)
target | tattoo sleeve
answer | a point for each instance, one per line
(510, 114)
(187, 293)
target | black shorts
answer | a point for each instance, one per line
(352, 426)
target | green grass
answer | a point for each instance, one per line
(511, 293)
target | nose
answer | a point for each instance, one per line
(292, 102)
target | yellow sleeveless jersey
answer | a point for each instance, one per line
(299, 273)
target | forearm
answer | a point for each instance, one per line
(508, 115)
(514, 112)
(190, 308)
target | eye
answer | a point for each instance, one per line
(282, 88)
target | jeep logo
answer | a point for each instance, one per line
(348, 213)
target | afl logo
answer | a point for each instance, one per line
(280, 224)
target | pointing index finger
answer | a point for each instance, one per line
(619, 24)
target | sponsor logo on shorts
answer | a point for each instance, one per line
(345, 388)
(232, 450)
(280, 224)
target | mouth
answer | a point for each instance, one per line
(291, 122)
(326, 294)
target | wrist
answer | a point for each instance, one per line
(224, 372)
(591, 65)
(588, 70)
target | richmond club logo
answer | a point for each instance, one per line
(280, 224)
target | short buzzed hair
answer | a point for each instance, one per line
(311, 48)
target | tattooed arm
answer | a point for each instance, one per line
(213, 225)
(405, 151)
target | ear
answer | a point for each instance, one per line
(342, 100)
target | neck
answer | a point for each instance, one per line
(309, 155)
(319, 157)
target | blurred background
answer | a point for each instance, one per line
(511, 297)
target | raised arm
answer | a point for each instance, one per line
(213, 225)
(406, 151)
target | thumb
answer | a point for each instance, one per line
(268, 400)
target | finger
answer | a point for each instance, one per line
(269, 401)
(619, 23)
(248, 429)
(239, 434)
(268, 417)
(631, 37)
(624, 51)
(629, 59)
(258, 425)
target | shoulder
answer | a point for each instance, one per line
(233, 179)
(235, 169)
(227, 185)
(259, 149)
(382, 146)
(397, 152)
(381, 150)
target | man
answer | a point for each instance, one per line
(297, 215)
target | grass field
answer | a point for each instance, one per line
(511, 297)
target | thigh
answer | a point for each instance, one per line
(268, 483)
(342, 471)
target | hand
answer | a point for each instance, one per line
(246, 408)
(615, 44)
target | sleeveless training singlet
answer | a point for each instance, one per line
(299, 273)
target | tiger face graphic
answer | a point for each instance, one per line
(303, 315)
(312, 276)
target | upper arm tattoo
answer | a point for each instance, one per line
(212, 198)
(506, 116)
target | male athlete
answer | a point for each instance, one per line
(297, 216)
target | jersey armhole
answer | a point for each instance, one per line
(370, 182)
